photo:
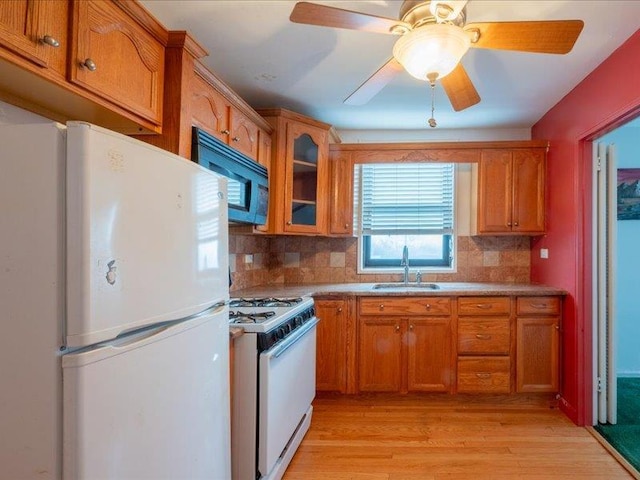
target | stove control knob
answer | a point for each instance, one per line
(280, 333)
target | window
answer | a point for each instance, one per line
(405, 204)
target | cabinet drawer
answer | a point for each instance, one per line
(538, 305)
(484, 306)
(405, 306)
(484, 375)
(484, 336)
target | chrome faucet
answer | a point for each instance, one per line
(405, 263)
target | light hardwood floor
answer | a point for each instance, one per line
(437, 437)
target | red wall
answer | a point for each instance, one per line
(607, 97)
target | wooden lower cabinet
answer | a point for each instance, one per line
(469, 345)
(331, 344)
(484, 374)
(380, 355)
(428, 343)
(538, 332)
(405, 355)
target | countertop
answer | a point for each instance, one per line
(367, 289)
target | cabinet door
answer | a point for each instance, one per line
(209, 109)
(537, 354)
(306, 176)
(380, 355)
(428, 342)
(528, 190)
(243, 134)
(341, 209)
(115, 58)
(331, 348)
(494, 192)
(36, 30)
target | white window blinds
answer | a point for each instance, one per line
(406, 198)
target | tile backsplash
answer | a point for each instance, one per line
(259, 260)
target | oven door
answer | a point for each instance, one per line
(287, 380)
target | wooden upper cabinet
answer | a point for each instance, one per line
(510, 192)
(116, 58)
(209, 109)
(36, 30)
(529, 191)
(341, 208)
(243, 134)
(299, 193)
(213, 112)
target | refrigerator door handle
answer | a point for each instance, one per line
(143, 337)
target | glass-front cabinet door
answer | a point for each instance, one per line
(306, 177)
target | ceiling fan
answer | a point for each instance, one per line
(434, 36)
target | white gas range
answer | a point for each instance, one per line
(274, 383)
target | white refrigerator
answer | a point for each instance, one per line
(114, 349)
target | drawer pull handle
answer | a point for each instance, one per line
(483, 375)
(428, 306)
(89, 65)
(224, 132)
(381, 306)
(49, 40)
(484, 306)
(539, 305)
(482, 336)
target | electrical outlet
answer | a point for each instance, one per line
(544, 253)
(248, 258)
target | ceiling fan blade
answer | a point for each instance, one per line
(458, 87)
(314, 14)
(553, 36)
(374, 83)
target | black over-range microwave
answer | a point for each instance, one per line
(248, 186)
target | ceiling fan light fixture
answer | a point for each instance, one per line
(433, 48)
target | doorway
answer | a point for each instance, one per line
(616, 310)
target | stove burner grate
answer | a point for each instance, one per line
(249, 317)
(265, 302)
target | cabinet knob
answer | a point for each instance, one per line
(89, 65)
(557, 327)
(515, 224)
(397, 328)
(49, 40)
(289, 222)
(381, 306)
(224, 132)
(428, 306)
(236, 139)
(346, 225)
(411, 326)
(508, 224)
(339, 309)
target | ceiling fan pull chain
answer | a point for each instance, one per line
(432, 82)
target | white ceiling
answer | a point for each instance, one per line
(271, 62)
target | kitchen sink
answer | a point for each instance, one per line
(412, 286)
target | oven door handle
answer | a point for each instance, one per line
(292, 339)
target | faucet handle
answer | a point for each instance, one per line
(418, 277)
